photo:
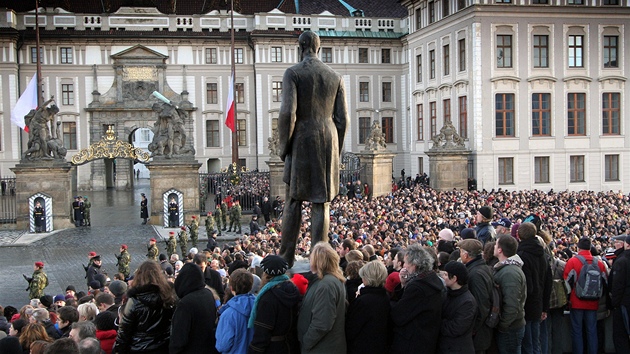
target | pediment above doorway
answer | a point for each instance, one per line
(138, 52)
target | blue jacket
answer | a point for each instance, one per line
(232, 334)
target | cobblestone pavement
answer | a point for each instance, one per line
(115, 220)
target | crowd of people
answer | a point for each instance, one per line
(418, 270)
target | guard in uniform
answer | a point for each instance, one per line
(183, 241)
(39, 217)
(194, 230)
(217, 216)
(152, 252)
(144, 208)
(86, 211)
(210, 225)
(235, 217)
(224, 213)
(77, 212)
(173, 213)
(38, 282)
(171, 244)
(123, 261)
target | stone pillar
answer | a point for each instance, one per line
(276, 184)
(53, 178)
(182, 176)
(376, 170)
(448, 169)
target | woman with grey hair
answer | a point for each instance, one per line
(368, 315)
(416, 317)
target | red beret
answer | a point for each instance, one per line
(39, 264)
(152, 240)
(183, 227)
(194, 216)
(172, 233)
(123, 246)
(92, 254)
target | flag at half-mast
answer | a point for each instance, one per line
(229, 116)
(25, 103)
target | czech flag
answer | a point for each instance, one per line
(25, 103)
(229, 117)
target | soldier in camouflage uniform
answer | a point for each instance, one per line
(209, 224)
(224, 213)
(235, 217)
(123, 261)
(38, 282)
(152, 252)
(217, 216)
(183, 242)
(171, 244)
(194, 230)
(86, 211)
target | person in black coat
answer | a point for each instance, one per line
(538, 276)
(458, 312)
(274, 316)
(266, 209)
(211, 277)
(620, 294)
(144, 209)
(192, 326)
(367, 319)
(39, 216)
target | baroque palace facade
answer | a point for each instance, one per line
(537, 89)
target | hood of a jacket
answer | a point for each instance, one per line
(242, 304)
(514, 260)
(531, 246)
(432, 280)
(190, 279)
(147, 294)
(286, 293)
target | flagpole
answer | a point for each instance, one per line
(233, 88)
(39, 64)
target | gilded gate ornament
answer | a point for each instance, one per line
(108, 148)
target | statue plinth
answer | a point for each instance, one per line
(376, 170)
(173, 175)
(448, 160)
(277, 187)
(50, 177)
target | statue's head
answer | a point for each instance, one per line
(309, 43)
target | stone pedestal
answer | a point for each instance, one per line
(51, 178)
(376, 170)
(276, 184)
(448, 169)
(180, 177)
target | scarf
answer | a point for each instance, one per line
(273, 282)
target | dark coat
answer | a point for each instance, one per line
(195, 315)
(351, 288)
(146, 322)
(620, 291)
(538, 276)
(311, 128)
(212, 278)
(144, 210)
(485, 232)
(367, 322)
(275, 326)
(417, 316)
(458, 318)
(480, 284)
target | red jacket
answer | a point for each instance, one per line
(575, 264)
(107, 339)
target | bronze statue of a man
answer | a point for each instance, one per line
(311, 129)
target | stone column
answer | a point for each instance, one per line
(182, 176)
(53, 178)
(448, 169)
(376, 170)
(276, 184)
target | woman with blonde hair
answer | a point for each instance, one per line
(321, 321)
(87, 311)
(145, 324)
(33, 332)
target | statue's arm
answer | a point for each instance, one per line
(287, 115)
(340, 115)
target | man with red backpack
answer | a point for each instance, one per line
(586, 287)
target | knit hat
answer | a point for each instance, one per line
(467, 233)
(71, 287)
(46, 300)
(584, 244)
(104, 321)
(39, 264)
(162, 257)
(486, 212)
(59, 297)
(392, 282)
(95, 284)
(274, 265)
(515, 229)
(19, 324)
(446, 235)
(457, 269)
(118, 288)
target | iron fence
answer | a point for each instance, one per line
(8, 201)
(249, 187)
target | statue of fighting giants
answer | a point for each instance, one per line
(169, 131)
(42, 144)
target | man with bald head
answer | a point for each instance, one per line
(311, 128)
